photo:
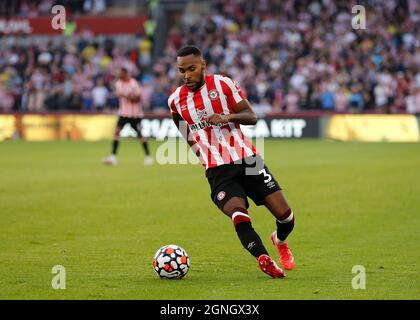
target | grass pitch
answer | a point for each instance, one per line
(355, 204)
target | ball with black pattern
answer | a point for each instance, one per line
(171, 262)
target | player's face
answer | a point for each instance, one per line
(123, 74)
(191, 70)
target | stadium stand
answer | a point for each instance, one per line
(303, 55)
(288, 56)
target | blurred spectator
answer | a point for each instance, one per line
(327, 100)
(99, 95)
(340, 100)
(413, 101)
(292, 101)
(94, 6)
(147, 92)
(36, 90)
(356, 102)
(159, 98)
(6, 99)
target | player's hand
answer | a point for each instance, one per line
(135, 99)
(218, 119)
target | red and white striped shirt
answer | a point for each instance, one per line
(128, 108)
(218, 144)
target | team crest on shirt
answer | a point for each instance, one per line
(184, 107)
(213, 94)
(221, 195)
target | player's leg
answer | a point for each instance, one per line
(263, 189)
(285, 222)
(229, 195)
(112, 159)
(235, 208)
(136, 125)
(116, 140)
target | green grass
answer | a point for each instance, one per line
(355, 204)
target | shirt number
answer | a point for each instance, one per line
(267, 176)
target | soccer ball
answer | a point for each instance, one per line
(171, 262)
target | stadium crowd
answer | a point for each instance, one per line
(286, 55)
(299, 55)
(36, 8)
(70, 75)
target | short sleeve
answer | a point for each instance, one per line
(171, 104)
(232, 91)
(117, 87)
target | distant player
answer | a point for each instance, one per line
(130, 111)
(214, 106)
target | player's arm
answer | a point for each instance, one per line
(136, 93)
(243, 114)
(124, 96)
(185, 131)
(135, 97)
(118, 92)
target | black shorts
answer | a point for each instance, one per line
(134, 122)
(248, 177)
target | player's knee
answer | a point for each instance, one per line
(233, 204)
(239, 215)
(287, 217)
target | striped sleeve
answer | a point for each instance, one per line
(232, 91)
(171, 102)
(117, 86)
